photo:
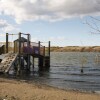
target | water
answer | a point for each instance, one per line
(65, 71)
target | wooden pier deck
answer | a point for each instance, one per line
(7, 62)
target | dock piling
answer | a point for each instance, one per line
(6, 42)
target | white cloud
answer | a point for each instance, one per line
(3, 23)
(35, 39)
(51, 10)
(6, 27)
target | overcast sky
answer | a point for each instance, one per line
(60, 21)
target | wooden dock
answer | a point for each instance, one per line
(23, 49)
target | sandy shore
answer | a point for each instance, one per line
(21, 90)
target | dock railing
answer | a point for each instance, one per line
(20, 44)
(33, 49)
(25, 49)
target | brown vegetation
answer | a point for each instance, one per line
(76, 49)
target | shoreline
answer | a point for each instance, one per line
(75, 49)
(11, 89)
(9, 79)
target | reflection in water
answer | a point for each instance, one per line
(65, 71)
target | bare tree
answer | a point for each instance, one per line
(93, 23)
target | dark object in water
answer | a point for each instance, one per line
(0, 60)
(81, 70)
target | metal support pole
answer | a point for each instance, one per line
(6, 42)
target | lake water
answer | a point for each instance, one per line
(65, 71)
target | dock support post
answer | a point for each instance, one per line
(49, 48)
(39, 47)
(41, 61)
(33, 63)
(14, 47)
(19, 52)
(19, 43)
(6, 42)
(44, 61)
(47, 62)
(28, 44)
(44, 51)
(47, 58)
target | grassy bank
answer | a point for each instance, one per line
(76, 49)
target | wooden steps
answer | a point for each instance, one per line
(7, 62)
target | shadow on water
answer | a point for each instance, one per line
(26, 75)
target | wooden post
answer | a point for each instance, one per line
(19, 43)
(6, 42)
(44, 51)
(47, 58)
(19, 53)
(39, 47)
(41, 62)
(28, 40)
(43, 56)
(49, 48)
(33, 62)
(40, 59)
(14, 47)
(28, 45)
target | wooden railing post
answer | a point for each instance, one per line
(6, 42)
(28, 40)
(19, 52)
(47, 58)
(19, 43)
(49, 49)
(39, 47)
(44, 51)
(14, 47)
(28, 44)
